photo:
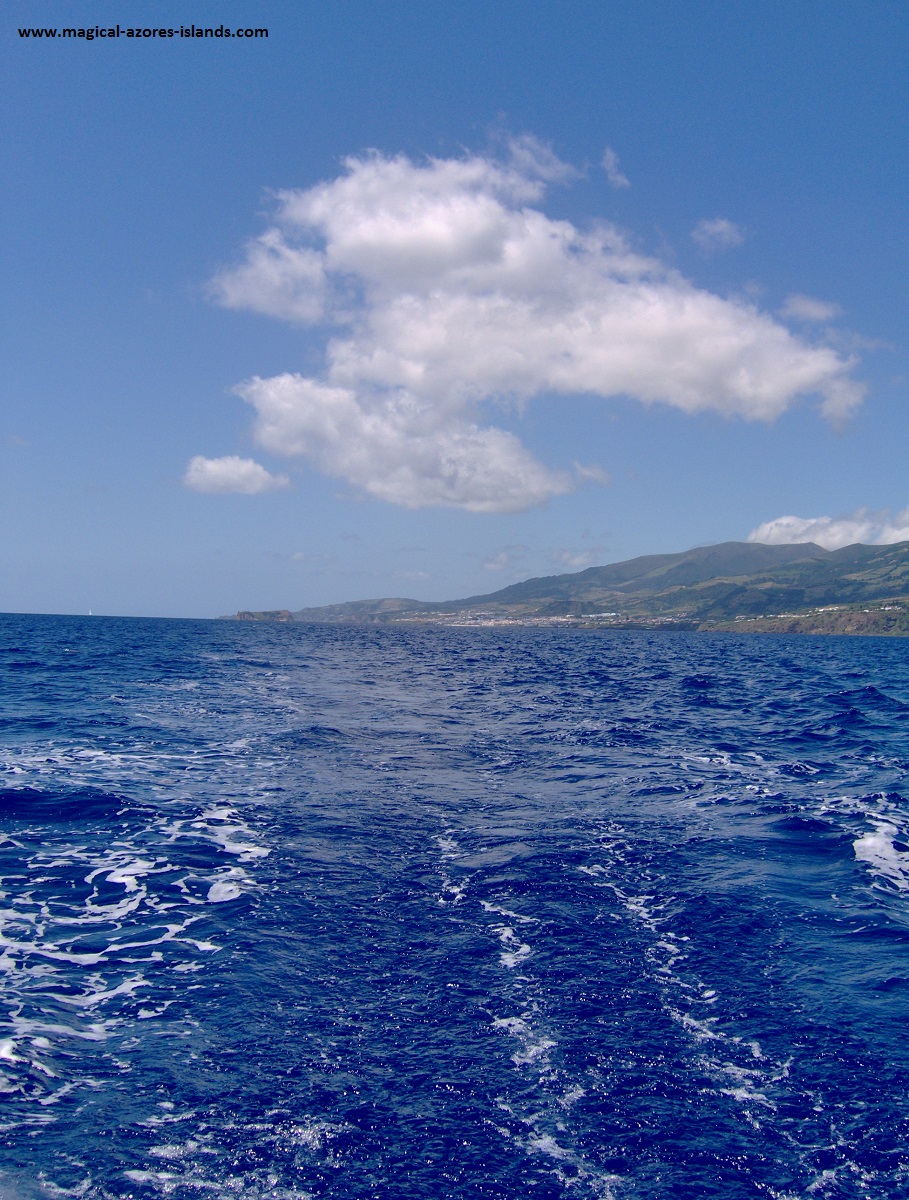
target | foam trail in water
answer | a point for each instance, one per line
(97, 910)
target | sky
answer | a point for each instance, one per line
(415, 299)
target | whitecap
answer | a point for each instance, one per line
(218, 893)
(882, 856)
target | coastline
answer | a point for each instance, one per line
(889, 620)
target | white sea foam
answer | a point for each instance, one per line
(515, 951)
(225, 829)
(452, 891)
(200, 1164)
(748, 1081)
(545, 1142)
(508, 912)
(883, 858)
(219, 892)
(84, 912)
(534, 1047)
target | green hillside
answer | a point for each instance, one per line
(742, 585)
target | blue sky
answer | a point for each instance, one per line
(525, 287)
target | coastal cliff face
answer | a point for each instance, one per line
(887, 620)
(738, 586)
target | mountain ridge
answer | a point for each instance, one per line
(743, 585)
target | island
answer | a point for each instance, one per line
(745, 587)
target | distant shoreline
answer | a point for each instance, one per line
(863, 623)
(738, 587)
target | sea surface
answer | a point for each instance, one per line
(294, 911)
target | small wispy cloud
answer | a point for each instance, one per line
(507, 556)
(614, 173)
(717, 233)
(576, 560)
(591, 473)
(231, 474)
(807, 308)
(873, 528)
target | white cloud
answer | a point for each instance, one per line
(231, 474)
(612, 169)
(806, 308)
(398, 447)
(592, 473)
(448, 290)
(576, 560)
(717, 234)
(277, 279)
(863, 525)
(508, 556)
(535, 160)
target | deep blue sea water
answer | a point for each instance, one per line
(414, 914)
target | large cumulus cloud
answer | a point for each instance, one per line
(445, 290)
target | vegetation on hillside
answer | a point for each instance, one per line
(743, 586)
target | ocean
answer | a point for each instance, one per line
(412, 913)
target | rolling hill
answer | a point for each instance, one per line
(742, 585)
